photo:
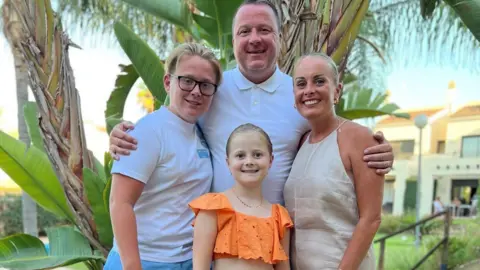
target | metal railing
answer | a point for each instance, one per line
(443, 242)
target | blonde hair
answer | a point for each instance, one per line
(248, 127)
(193, 49)
(330, 62)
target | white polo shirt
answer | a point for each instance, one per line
(268, 105)
(173, 161)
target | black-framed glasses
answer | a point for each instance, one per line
(188, 84)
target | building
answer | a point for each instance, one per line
(450, 152)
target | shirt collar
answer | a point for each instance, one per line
(269, 85)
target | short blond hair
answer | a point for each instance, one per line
(193, 49)
(330, 62)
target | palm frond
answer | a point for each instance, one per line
(438, 40)
(97, 17)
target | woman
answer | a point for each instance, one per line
(332, 195)
(151, 188)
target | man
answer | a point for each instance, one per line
(256, 91)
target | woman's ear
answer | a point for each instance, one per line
(338, 93)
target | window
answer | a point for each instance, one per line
(403, 149)
(471, 146)
(440, 147)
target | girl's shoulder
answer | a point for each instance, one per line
(210, 201)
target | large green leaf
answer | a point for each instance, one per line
(32, 171)
(175, 12)
(146, 62)
(106, 191)
(217, 20)
(94, 187)
(221, 11)
(116, 102)
(469, 13)
(67, 247)
(357, 103)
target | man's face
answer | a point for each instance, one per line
(255, 39)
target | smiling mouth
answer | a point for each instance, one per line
(249, 171)
(257, 52)
(193, 102)
(311, 102)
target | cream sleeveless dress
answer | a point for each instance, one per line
(321, 201)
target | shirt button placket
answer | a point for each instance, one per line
(255, 102)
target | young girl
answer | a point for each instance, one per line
(238, 228)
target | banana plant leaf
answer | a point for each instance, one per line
(173, 11)
(33, 172)
(67, 246)
(469, 13)
(94, 187)
(145, 61)
(217, 21)
(116, 102)
(357, 103)
(467, 10)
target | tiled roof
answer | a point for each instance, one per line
(468, 110)
(413, 113)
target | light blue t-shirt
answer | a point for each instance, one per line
(173, 161)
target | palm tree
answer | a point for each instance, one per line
(11, 28)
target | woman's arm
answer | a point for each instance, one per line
(123, 196)
(369, 191)
(204, 236)
(285, 265)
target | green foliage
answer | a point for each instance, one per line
(33, 172)
(116, 102)
(94, 187)
(11, 216)
(144, 59)
(357, 103)
(467, 10)
(67, 246)
(390, 224)
(463, 245)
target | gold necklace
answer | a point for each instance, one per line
(233, 189)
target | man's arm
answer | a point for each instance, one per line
(120, 141)
(379, 157)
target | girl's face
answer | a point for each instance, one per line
(249, 158)
(314, 87)
(193, 76)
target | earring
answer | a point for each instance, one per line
(294, 105)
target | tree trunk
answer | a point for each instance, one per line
(45, 47)
(329, 26)
(29, 207)
(12, 28)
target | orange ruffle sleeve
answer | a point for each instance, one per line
(244, 236)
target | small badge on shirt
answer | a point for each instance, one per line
(203, 153)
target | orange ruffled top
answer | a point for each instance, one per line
(244, 236)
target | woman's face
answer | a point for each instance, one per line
(193, 76)
(314, 87)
